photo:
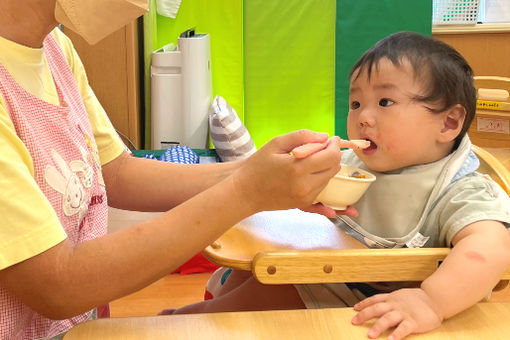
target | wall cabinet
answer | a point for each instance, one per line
(112, 67)
(487, 53)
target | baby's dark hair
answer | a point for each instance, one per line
(448, 76)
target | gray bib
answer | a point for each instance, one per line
(396, 205)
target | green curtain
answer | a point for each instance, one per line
(289, 66)
(359, 25)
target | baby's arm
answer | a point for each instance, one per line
(480, 256)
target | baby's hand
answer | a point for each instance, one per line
(408, 310)
(319, 208)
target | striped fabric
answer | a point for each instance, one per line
(229, 135)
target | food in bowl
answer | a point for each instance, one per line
(346, 188)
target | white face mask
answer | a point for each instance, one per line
(93, 20)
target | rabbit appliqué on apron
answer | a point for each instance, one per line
(65, 180)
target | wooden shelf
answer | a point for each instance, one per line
(473, 28)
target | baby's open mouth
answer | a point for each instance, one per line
(372, 144)
(371, 149)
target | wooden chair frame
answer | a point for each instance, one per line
(268, 244)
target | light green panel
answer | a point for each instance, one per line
(289, 63)
(149, 43)
(223, 21)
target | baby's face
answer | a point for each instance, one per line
(402, 130)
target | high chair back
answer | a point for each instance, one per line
(491, 166)
(491, 125)
(292, 246)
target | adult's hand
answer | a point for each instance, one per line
(306, 150)
(274, 179)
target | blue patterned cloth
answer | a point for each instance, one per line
(180, 154)
(150, 156)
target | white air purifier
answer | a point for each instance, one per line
(181, 93)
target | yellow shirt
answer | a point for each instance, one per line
(29, 224)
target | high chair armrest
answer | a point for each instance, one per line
(348, 265)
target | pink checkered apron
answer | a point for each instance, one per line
(67, 170)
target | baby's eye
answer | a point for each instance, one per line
(386, 102)
(355, 105)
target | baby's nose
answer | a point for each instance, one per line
(366, 118)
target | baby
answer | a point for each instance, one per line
(413, 99)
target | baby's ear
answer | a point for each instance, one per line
(452, 123)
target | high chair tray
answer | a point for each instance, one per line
(279, 230)
(292, 246)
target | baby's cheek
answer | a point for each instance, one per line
(390, 146)
(392, 149)
(391, 141)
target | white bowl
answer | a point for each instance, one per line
(343, 189)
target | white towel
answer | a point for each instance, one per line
(168, 8)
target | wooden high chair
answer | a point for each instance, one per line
(292, 246)
(491, 126)
(492, 167)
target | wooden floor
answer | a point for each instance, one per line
(172, 291)
(175, 290)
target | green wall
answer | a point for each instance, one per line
(289, 66)
(223, 20)
(359, 25)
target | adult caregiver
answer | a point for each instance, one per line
(60, 158)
